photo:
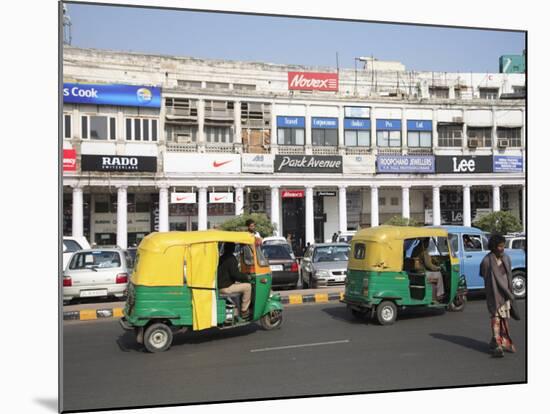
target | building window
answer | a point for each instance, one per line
(458, 93)
(189, 84)
(243, 87)
(357, 138)
(324, 137)
(217, 85)
(439, 92)
(513, 135)
(141, 129)
(382, 201)
(67, 126)
(488, 93)
(388, 138)
(181, 134)
(394, 201)
(419, 139)
(98, 127)
(519, 90)
(449, 135)
(483, 136)
(290, 136)
(218, 135)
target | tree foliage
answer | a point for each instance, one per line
(263, 224)
(402, 221)
(500, 222)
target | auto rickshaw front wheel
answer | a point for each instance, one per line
(157, 337)
(386, 312)
(272, 320)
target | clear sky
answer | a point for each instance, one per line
(288, 40)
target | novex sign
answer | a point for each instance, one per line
(312, 81)
(111, 94)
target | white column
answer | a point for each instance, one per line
(374, 206)
(464, 130)
(436, 209)
(341, 141)
(239, 200)
(200, 118)
(406, 202)
(122, 218)
(466, 210)
(496, 197)
(203, 209)
(274, 143)
(373, 129)
(494, 129)
(237, 139)
(275, 209)
(78, 212)
(342, 208)
(308, 147)
(163, 209)
(435, 135)
(523, 212)
(310, 229)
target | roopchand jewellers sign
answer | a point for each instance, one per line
(120, 163)
(308, 164)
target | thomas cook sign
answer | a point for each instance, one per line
(308, 164)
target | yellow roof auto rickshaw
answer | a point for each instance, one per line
(174, 287)
(387, 272)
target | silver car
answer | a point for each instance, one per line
(325, 264)
(99, 272)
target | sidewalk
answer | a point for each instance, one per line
(92, 311)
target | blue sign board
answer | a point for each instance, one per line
(327, 123)
(388, 124)
(351, 123)
(507, 163)
(291, 122)
(424, 164)
(110, 94)
(419, 125)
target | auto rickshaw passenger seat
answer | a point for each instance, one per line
(234, 298)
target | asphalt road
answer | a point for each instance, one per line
(319, 350)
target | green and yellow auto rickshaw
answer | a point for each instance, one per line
(386, 272)
(174, 287)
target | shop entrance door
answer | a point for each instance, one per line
(294, 220)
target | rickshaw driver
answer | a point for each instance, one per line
(231, 280)
(433, 273)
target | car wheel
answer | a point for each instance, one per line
(272, 320)
(157, 337)
(386, 312)
(519, 284)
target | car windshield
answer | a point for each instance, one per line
(96, 259)
(277, 251)
(331, 254)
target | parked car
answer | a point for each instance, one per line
(71, 245)
(516, 241)
(283, 264)
(325, 264)
(274, 240)
(470, 245)
(345, 236)
(100, 272)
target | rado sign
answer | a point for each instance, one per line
(118, 163)
(457, 164)
(308, 164)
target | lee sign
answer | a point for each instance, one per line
(312, 81)
(456, 164)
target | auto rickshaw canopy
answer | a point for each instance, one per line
(383, 246)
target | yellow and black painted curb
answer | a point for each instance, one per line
(93, 314)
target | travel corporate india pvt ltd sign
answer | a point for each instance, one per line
(312, 81)
(301, 164)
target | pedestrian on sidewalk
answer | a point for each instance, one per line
(496, 270)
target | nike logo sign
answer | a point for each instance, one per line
(219, 164)
(219, 198)
(181, 198)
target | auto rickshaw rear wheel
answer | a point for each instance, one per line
(272, 320)
(458, 304)
(386, 312)
(157, 337)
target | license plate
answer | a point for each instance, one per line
(276, 268)
(93, 293)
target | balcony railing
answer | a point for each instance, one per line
(174, 147)
(230, 148)
(291, 149)
(325, 150)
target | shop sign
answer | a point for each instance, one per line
(419, 125)
(220, 198)
(458, 164)
(291, 122)
(324, 123)
(69, 160)
(507, 163)
(357, 124)
(402, 164)
(312, 81)
(388, 125)
(357, 112)
(118, 163)
(111, 94)
(202, 163)
(308, 164)
(292, 193)
(359, 164)
(326, 193)
(257, 163)
(183, 198)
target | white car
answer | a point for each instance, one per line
(274, 240)
(100, 272)
(71, 245)
(345, 236)
(515, 241)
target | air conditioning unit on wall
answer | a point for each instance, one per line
(257, 207)
(503, 143)
(256, 196)
(473, 142)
